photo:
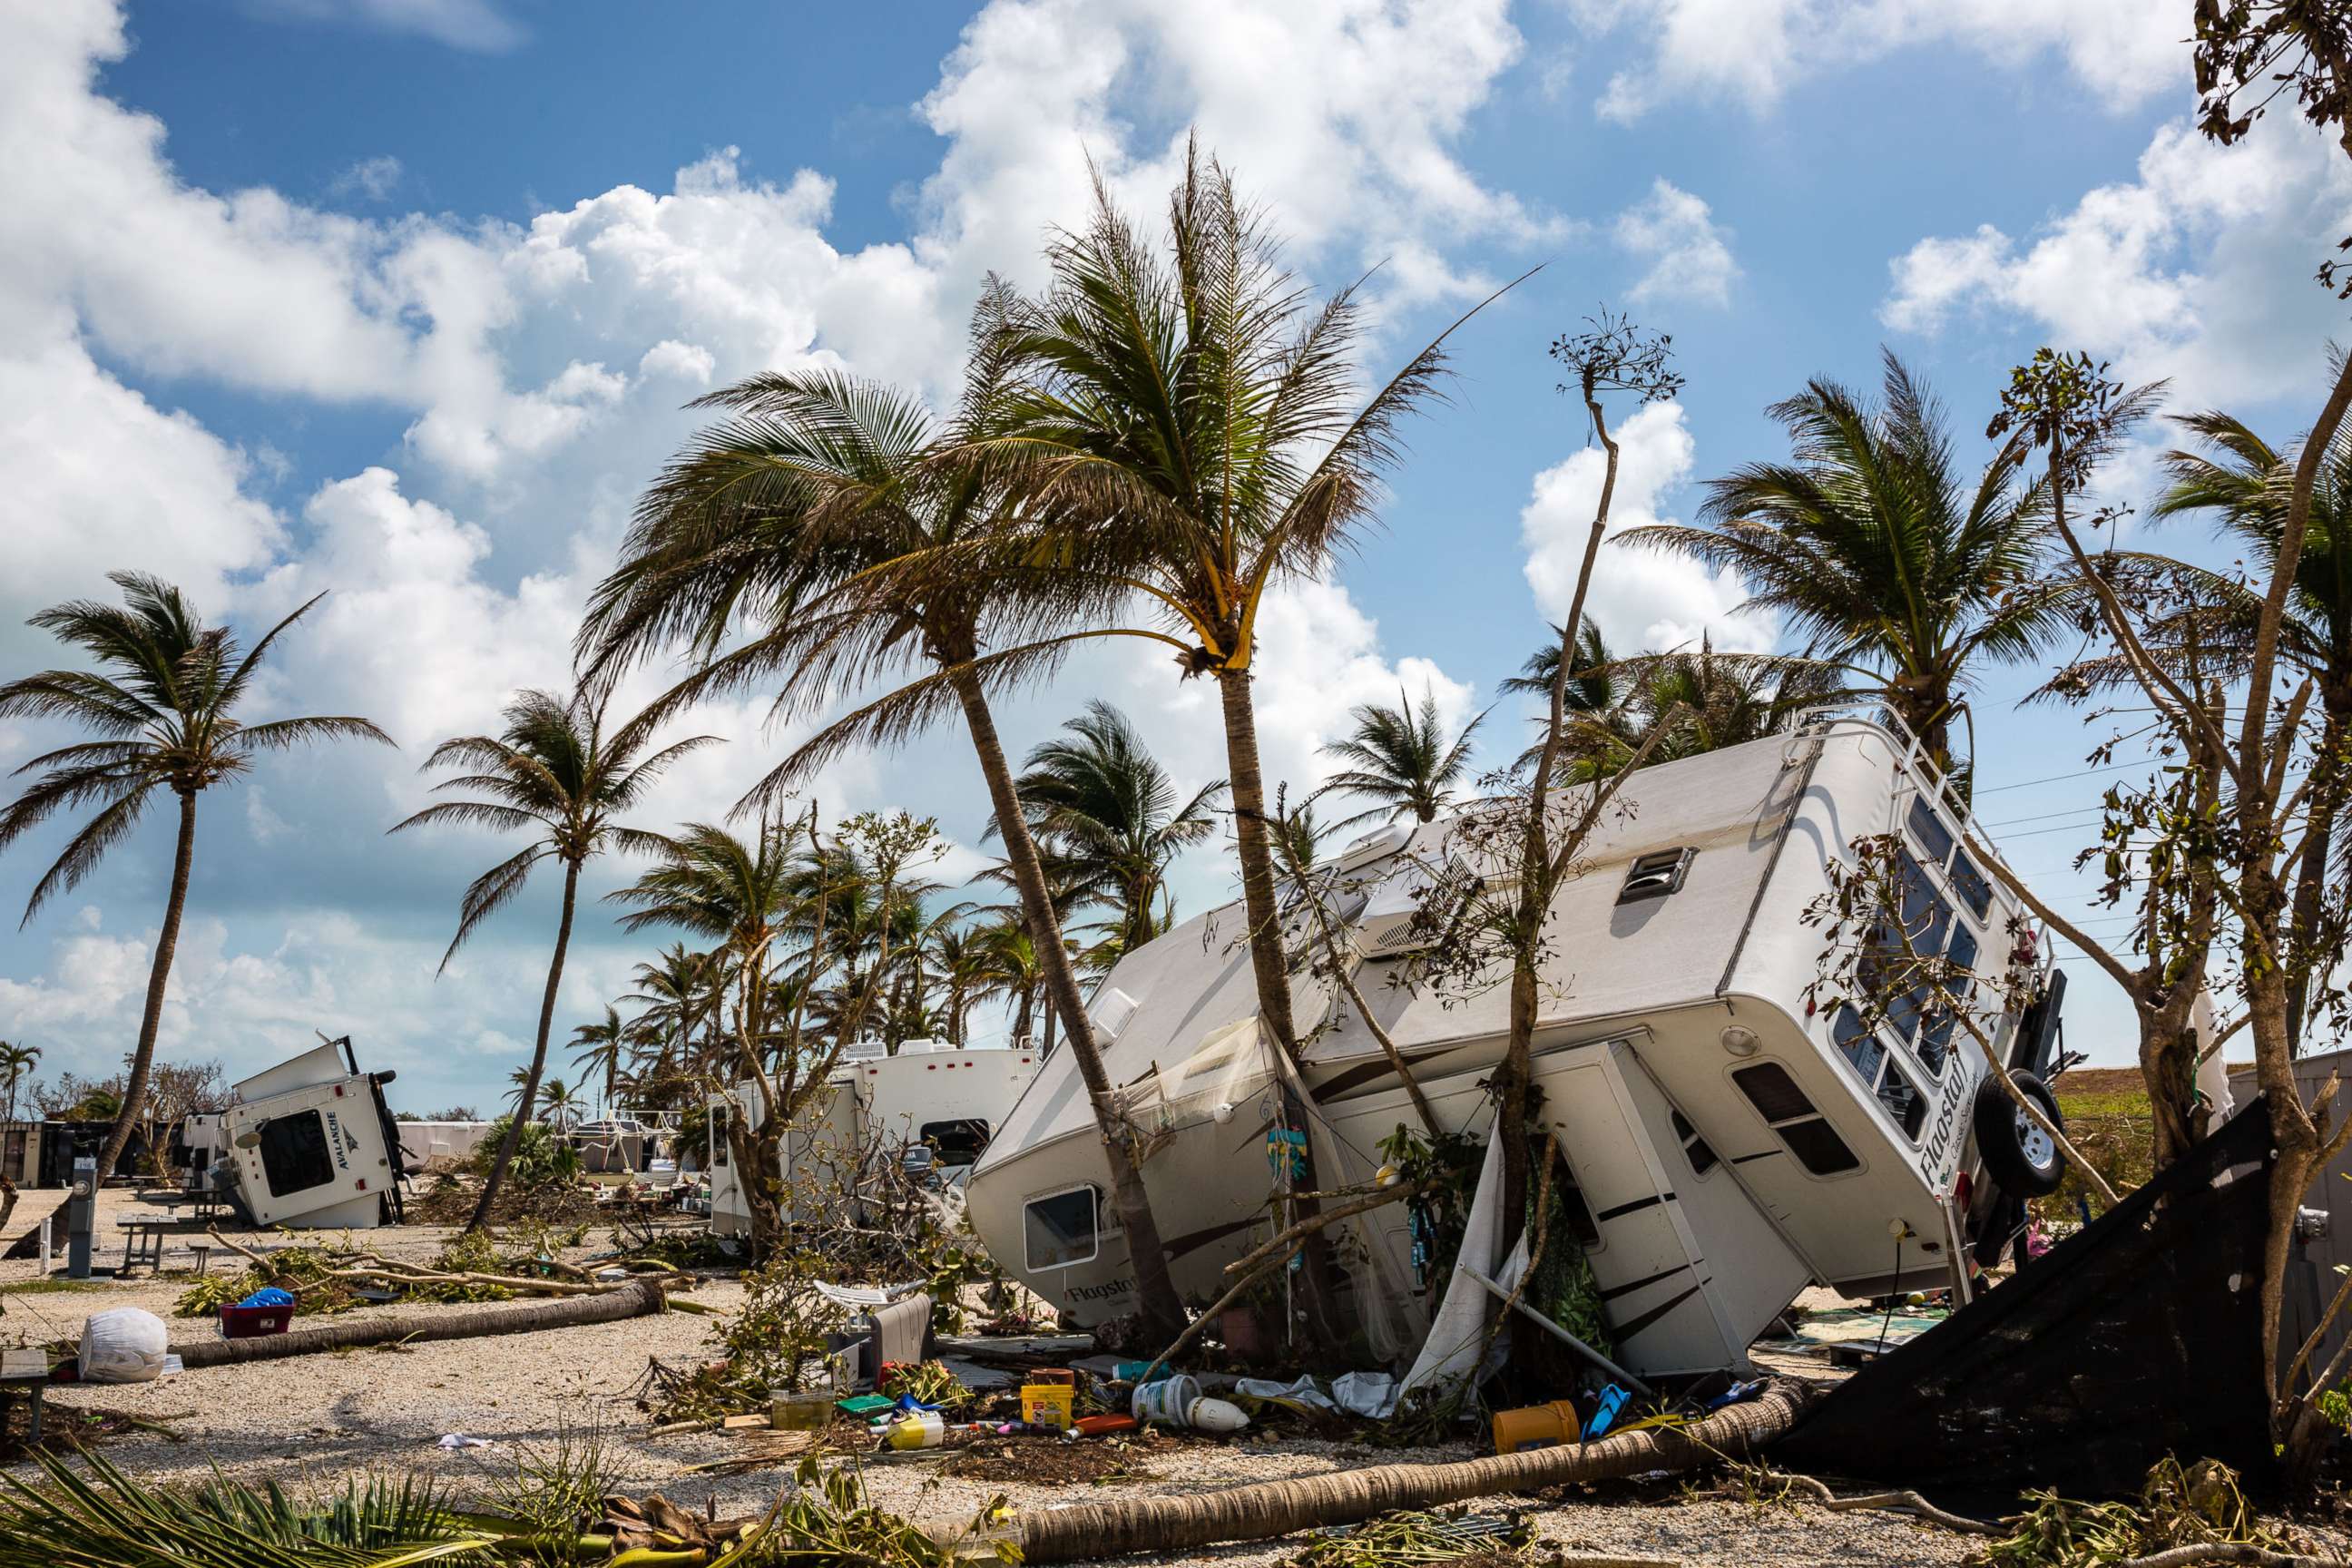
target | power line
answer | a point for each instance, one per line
(2061, 778)
(2042, 816)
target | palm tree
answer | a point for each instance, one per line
(1663, 707)
(1399, 759)
(777, 520)
(1886, 562)
(675, 993)
(1105, 809)
(15, 1061)
(163, 703)
(559, 1104)
(2246, 485)
(1189, 430)
(1011, 969)
(598, 1048)
(556, 772)
(958, 963)
(1593, 678)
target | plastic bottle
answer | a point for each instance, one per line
(917, 1429)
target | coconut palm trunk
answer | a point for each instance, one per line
(1268, 963)
(1155, 1291)
(150, 1020)
(513, 1138)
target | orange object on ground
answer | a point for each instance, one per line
(1536, 1426)
(1100, 1425)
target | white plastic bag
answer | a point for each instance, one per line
(123, 1344)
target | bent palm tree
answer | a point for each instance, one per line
(1188, 431)
(556, 772)
(1399, 759)
(163, 703)
(1886, 562)
(1105, 808)
(771, 522)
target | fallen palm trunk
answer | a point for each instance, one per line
(1269, 1509)
(635, 1300)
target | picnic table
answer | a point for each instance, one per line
(24, 1374)
(203, 1202)
(142, 1241)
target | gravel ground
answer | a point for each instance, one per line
(322, 1417)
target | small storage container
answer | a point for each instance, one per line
(252, 1322)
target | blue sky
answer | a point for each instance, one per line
(399, 298)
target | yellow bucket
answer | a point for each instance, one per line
(1049, 1404)
(1536, 1426)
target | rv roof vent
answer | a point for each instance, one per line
(1380, 841)
(1392, 935)
(1655, 875)
(1112, 1010)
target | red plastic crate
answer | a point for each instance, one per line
(252, 1322)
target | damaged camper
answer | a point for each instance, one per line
(934, 1100)
(309, 1144)
(1727, 1144)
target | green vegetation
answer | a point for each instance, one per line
(2107, 1116)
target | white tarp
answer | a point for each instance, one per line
(1457, 1330)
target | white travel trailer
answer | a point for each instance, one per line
(933, 1093)
(310, 1143)
(1728, 1146)
(440, 1145)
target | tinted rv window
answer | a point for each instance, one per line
(294, 1154)
(1818, 1148)
(1702, 1158)
(1971, 885)
(1793, 1119)
(1062, 1229)
(960, 1143)
(1903, 1102)
(1862, 1049)
(1773, 1093)
(1927, 830)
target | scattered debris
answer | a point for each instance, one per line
(2179, 1509)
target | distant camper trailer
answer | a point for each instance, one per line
(310, 1144)
(933, 1094)
(41, 1154)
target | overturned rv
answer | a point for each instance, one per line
(933, 1095)
(310, 1144)
(1727, 1146)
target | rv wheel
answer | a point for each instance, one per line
(2022, 1157)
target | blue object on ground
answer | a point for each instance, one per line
(267, 1295)
(1737, 1393)
(1605, 1414)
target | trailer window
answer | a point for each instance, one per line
(294, 1153)
(1935, 1046)
(1792, 1119)
(1695, 1148)
(1062, 1228)
(1863, 1050)
(1927, 830)
(1903, 1102)
(960, 1143)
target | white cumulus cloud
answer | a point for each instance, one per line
(1688, 254)
(1642, 598)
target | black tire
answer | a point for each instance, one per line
(2018, 1156)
